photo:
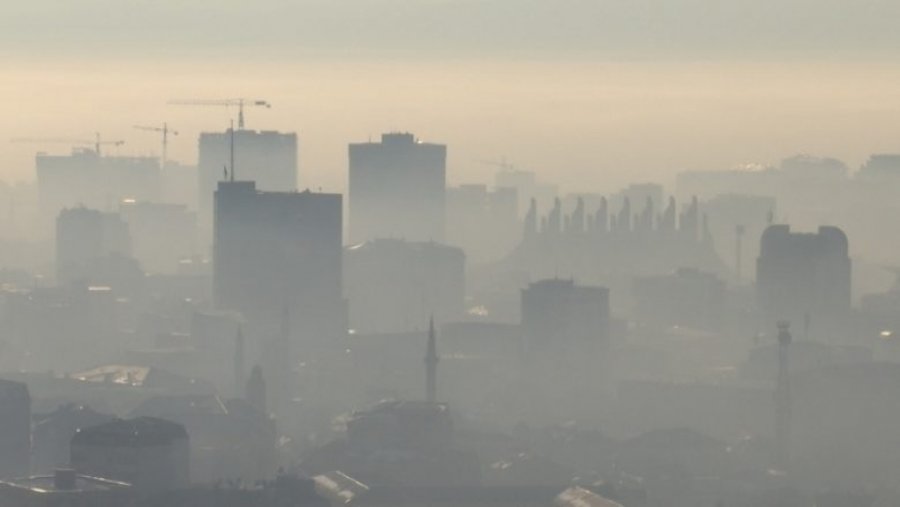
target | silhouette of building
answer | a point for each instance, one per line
(391, 283)
(15, 429)
(277, 251)
(162, 234)
(83, 237)
(688, 298)
(880, 167)
(417, 435)
(397, 189)
(804, 278)
(267, 157)
(229, 438)
(151, 454)
(53, 433)
(84, 178)
(601, 245)
(562, 318)
(482, 222)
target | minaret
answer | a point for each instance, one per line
(239, 360)
(783, 397)
(431, 362)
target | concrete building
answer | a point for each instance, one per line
(83, 236)
(391, 284)
(53, 433)
(397, 189)
(151, 454)
(15, 429)
(267, 157)
(84, 178)
(804, 278)
(560, 317)
(277, 252)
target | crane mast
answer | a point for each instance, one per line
(165, 131)
(239, 103)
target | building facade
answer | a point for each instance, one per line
(397, 189)
(278, 255)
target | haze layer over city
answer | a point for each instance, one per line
(449, 252)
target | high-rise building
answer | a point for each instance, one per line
(397, 189)
(390, 284)
(277, 252)
(268, 158)
(15, 429)
(84, 178)
(560, 317)
(83, 237)
(804, 279)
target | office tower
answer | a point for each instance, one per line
(397, 189)
(15, 430)
(804, 278)
(266, 157)
(84, 237)
(562, 318)
(277, 252)
(391, 283)
(85, 178)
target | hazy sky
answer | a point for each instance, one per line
(600, 91)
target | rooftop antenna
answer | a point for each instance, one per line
(231, 148)
(239, 103)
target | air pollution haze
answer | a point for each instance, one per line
(444, 253)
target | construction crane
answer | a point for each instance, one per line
(165, 131)
(502, 164)
(97, 143)
(239, 103)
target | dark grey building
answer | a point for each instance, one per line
(277, 253)
(267, 157)
(15, 429)
(151, 454)
(561, 317)
(397, 189)
(804, 278)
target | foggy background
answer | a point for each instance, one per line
(583, 92)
